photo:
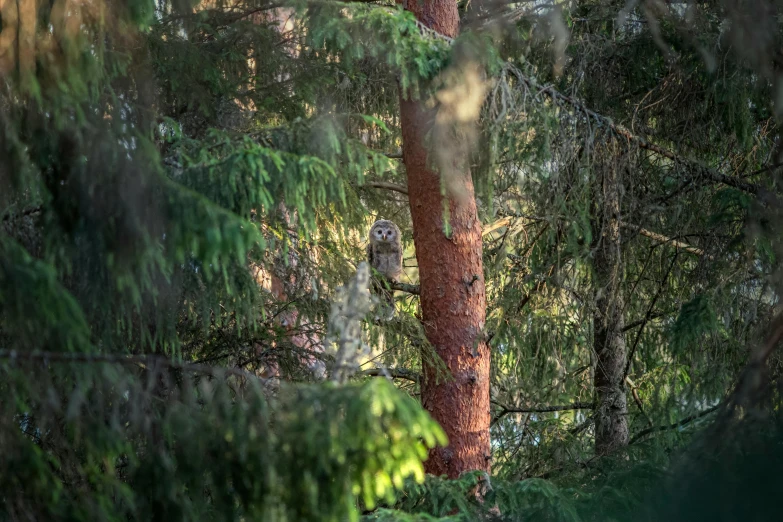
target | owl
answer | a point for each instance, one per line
(384, 253)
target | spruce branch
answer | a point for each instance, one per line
(405, 287)
(393, 373)
(505, 410)
(664, 239)
(642, 231)
(143, 361)
(645, 319)
(581, 108)
(679, 424)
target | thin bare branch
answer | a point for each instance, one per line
(405, 287)
(394, 373)
(681, 423)
(387, 186)
(664, 239)
(541, 409)
(640, 322)
(637, 399)
(491, 227)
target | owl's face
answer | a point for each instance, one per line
(383, 232)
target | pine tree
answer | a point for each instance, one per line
(449, 255)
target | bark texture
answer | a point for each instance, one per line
(611, 414)
(451, 276)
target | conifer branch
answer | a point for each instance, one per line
(23, 213)
(428, 32)
(394, 373)
(664, 239)
(595, 458)
(679, 424)
(488, 229)
(500, 223)
(134, 360)
(645, 319)
(405, 287)
(351, 304)
(642, 231)
(541, 409)
(387, 186)
(703, 171)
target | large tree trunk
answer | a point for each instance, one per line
(451, 275)
(611, 415)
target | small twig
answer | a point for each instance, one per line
(637, 399)
(647, 317)
(640, 322)
(579, 428)
(763, 170)
(681, 423)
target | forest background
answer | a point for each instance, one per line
(588, 192)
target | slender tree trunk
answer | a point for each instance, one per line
(276, 280)
(451, 275)
(611, 414)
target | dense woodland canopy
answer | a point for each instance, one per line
(586, 329)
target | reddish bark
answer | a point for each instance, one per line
(276, 283)
(451, 275)
(281, 283)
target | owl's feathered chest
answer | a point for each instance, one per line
(386, 258)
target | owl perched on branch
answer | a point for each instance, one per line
(384, 253)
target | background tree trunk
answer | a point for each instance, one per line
(611, 414)
(451, 274)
